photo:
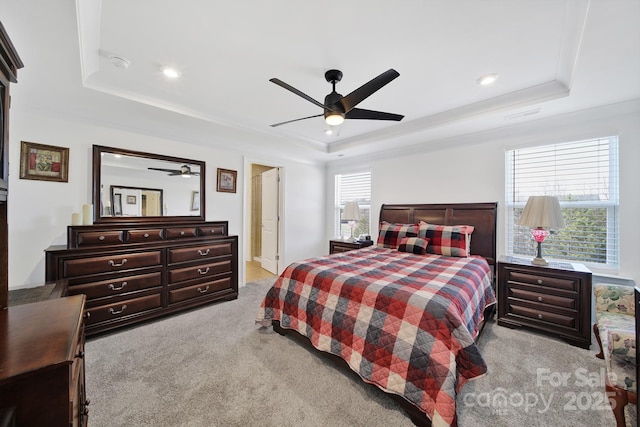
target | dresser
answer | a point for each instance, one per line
(555, 299)
(339, 245)
(42, 378)
(132, 273)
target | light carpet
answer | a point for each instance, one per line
(214, 367)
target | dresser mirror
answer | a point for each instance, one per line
(136, 187)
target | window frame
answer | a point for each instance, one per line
(612, 204)
(339, 204)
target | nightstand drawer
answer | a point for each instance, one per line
(543, 316)
(543, 280)
(542, 297)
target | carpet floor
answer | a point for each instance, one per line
(214, 367)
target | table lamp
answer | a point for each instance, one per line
(351, 214)
(541, 213)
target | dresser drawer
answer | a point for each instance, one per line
(540, 315)
(570, 303)
(199, 252)
(199, 271)
(93, 238)
(111, 263)
(199, 290)
(178, 232)
(116, 286)
(213, 230)
(142, 236)
(566, 284)
(123, 308)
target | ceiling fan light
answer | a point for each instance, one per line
(186, 175)
(334, 119)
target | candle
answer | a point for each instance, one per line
(76, 219)
(87, 214)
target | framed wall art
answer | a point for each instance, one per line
(227, 180)
(131, 200)
(44, 162)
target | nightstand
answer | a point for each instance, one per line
(338, 245)
(554, 299)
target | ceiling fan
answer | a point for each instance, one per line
(184, 171)
(337, 108)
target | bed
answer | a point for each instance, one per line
(404, 320)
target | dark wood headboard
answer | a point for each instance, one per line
(483, 216)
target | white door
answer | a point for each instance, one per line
(270, 203)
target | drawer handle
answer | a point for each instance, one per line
(182, 233)
(539, 298)
(114, 264)
(203, 272)
(114, 312)
(101, 238)
(213, 231)
(539, 316)
(145, 235)
(539, 281)
(203, 291)
(113, 287)
(203, 253)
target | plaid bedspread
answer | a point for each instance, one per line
(403, 322)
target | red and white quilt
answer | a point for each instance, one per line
(403, 322)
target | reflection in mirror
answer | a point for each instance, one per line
(137, 202)
(143, 187)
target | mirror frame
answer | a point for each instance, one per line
(97, 170)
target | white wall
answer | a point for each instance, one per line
(471, 169)
(40, 211)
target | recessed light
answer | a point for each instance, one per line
(170, 73)
(487, 79)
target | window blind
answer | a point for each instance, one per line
(584, 177)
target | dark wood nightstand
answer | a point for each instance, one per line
(338, 245)
(555, 299)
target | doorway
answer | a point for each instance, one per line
(264, 222)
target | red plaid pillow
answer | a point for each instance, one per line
(454, 240)
(391, 234)
(413, 245)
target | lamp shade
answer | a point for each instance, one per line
(351, 212)
(542, 211)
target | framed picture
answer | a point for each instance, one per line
(44, 162)
(117, 204)
(195, 201)
(227, 180)
(131, 200)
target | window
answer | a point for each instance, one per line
(584, 177)
(354, 187)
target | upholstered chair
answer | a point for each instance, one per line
(615, 331)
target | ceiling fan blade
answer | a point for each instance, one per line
(296, 120)
(296, 91)
(359, 113)
(367, 89)
(164, 170)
